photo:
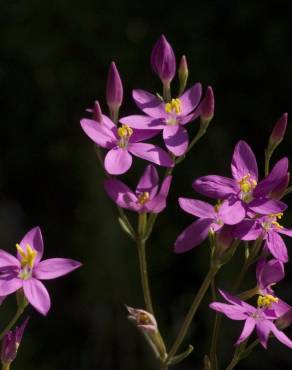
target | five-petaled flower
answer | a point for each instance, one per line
(26, 270)
(147, 197)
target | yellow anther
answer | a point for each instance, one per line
(143, 197)
(266, 300)
(125, 132)
(174, 106)
(28, 257)
(247, 184)
(143, 318)
(277, 215)
(275, 223)
(217, 206)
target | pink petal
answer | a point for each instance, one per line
(248, 230)
(164, 189)
(6, 259)
(156, 205)
(55, 267)
(281, 336)
(141, 135)
(269, 273)
(176, 139)
(244, 162)
(197, 208)
(232, 312)
(120, 193)
(33, 238)
(191, 98)
(37, 295)
(193, 235)
(263, 328)
(98, 133)
(236, 301)
(149, 181)
(117, 161)
(247, 330)
(217, 187)
(151, 153)
(276, 246)
(285, 231)
(267, 206)
(143, 122)
(8, 286)
(149, 103)
(232, 211)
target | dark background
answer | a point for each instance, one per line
(54, 60)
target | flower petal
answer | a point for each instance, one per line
(191, 98)
(217, 187)
(151, 153)
(141, 122)
(281, 336)
(98, 133)
(269, 273)
(238, 302)
(155, 205)
(197, 208)
(248, 230)
(149, 181)
(117, 161)
(33, 238)
(6, 259)
(263, 328)
(8, 286)
(149, 103)
(55, 267)
(37, 295)
(232, 312)
(247, 330)
(141, 135)
(270, 182)
(120, 193)
(283, 230)
(232, 211)
(244, 162)
(267, 206)
(276, 246)
(193, 235)
(176, 139)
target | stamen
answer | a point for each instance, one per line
(266, 301)
(124, 132)
(28, 257)
(174, 106)
(143, 197)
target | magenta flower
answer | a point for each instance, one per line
(163, 60)
(122, 142)
(11, 343)
(269, 229)
(27, 270)
(142, 319)
(243, 192)
(146, 197)
(268, 274)
(210, 218)
(114, 88)
(260, 318)
(169, 117)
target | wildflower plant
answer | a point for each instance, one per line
(243, 211)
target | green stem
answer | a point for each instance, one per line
(6, 366)
(193, 309)
(12, 322)
(166, 92)
(268, 155)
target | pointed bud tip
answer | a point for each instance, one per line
(163, 60)
(114, 88)
(208, 104)
(279, 130)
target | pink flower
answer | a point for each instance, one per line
(26, 270)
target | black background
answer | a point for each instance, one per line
(54, 61)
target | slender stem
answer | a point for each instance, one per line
(233, 363)
(166, 92)
(12, 322)
(193, 309)
(268, 155)
(6, 366)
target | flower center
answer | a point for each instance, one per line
(265, 301)
(247, 184)
(174, 106)
(124, 132)
(27, 260)
(143, 197)
(271, 220)
(143, 318)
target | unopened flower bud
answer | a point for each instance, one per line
(163, 60)
(11, 343)
(114, 91)
(97, 112)
(142, 319)
(183, 74)
(207, 106)
(278, 132)
(285, 320)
